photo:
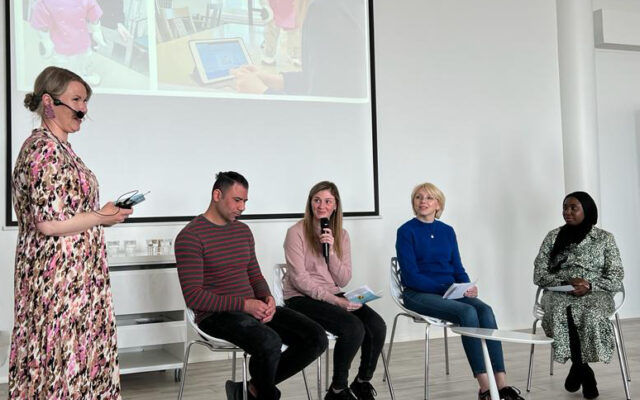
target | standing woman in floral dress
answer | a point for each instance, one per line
(64, 337)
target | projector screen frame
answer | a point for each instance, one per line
(10, 221)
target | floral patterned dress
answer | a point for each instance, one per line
(64, 336)
(597, 260)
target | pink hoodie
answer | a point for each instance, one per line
(307, 272)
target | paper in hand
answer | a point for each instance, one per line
(457, 290)
(362, 295)
(563, 288)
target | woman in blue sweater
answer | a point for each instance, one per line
(430, 262)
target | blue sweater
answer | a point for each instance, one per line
(429, 257)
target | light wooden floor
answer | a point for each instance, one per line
(206, 380)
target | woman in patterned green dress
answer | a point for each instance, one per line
(64, 336)
(586, 257)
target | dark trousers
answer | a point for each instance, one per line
(467, 312)
(574, 339)
(362, 329)
(268, 365)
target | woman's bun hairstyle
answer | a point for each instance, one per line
(32, 101)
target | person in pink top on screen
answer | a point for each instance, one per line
(66, 28)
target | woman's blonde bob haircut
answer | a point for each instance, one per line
(432, 190)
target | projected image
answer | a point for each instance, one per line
(279, 90)
(270, 47)
(104, 41)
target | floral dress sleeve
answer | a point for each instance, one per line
(610, 278)
(542, 275)
(47, 182)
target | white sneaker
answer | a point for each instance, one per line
(295, 61)
(268, 60)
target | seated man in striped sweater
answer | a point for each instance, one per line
(221, 281)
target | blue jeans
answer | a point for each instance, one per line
(466, 312)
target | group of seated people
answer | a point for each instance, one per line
(222, 283)
(64, 338)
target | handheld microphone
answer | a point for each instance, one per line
(79, 114)
(324, 223)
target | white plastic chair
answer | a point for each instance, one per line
(395, 285)
(219, 345)
(279, 273)
(619, 298)
(216, 345)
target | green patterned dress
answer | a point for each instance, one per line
(597, 260)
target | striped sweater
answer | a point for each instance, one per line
(217, 267)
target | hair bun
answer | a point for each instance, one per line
(32, 101)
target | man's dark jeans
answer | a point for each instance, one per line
(305, 340)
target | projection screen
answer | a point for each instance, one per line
(281, 91)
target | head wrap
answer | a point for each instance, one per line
(570, 234)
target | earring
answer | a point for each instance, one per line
(48, 112)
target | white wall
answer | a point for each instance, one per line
(468, 98)
(619, 130)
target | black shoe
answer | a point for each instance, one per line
(234, 391)
(231, 388)
(510, 393)
(589, 384)
(345, 394)
(574, 379)
(363, 390)
(486, 395)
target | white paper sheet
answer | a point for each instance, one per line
(456, 290)
(563, 288)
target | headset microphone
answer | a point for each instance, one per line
(79, 114)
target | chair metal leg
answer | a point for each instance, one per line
(623, 369)
(306, 384)
(233, 366)
(530, 374)
(244, 375)
(624, 349)
(393, 334)
(426, 362)
(387, 376)
(185, 364)
(446, 352)
(326, 371)
(319, 373)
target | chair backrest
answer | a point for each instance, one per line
(538, 311)
(396, 288)
(619, 298)
(176, 22)
(279, 272)
(395, 282)
(220, 343)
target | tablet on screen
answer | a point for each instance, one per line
(214, 58)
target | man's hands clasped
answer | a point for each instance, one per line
(263, 311)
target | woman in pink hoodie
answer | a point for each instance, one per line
(318, 266)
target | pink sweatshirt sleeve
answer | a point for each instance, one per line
(340, 269)
(40, 17)
(299, 274)
(94, 12)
